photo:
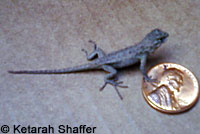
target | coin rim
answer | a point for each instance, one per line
(172, 111)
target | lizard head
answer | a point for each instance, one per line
(154, 39)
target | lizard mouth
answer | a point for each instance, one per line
(163, 39)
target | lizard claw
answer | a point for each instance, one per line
(85, 51)
(104, 85)
(118, 84)
(150, 80)
(95, 45)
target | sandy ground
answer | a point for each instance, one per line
(50, 34)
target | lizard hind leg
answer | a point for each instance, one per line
(109, 79)
(97, 53)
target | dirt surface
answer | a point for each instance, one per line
(50, 34)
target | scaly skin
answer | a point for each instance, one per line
(112, 61)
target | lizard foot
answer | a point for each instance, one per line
(150, 80)
(115, 84)
(85, 51)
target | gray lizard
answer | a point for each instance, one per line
(112, 61)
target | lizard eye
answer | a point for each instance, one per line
(157, 30)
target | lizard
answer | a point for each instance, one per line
(114, 60)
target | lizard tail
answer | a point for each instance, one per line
(58, 71)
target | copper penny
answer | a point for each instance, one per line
(175, 90)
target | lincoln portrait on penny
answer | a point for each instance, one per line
(165, 91)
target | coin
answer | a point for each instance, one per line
(175, 90)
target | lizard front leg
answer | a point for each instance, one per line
(97, 53)
(109, 79)
(143, 59)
